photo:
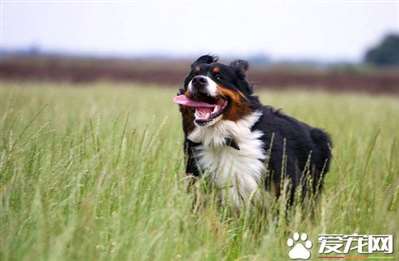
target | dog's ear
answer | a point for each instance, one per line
(208, 59)
(240, 67)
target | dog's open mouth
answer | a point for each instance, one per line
(204, 111)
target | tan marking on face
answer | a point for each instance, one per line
(187, 94)
(238, 104)
(216, 69)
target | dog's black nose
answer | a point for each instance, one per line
(199, 81)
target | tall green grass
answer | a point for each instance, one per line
(96, 173)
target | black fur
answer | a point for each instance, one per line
(297, 151)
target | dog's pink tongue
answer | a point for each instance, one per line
(185, 101)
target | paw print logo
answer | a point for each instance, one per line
(299, 246)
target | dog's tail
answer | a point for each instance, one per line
(324, 145)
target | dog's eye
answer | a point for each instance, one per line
(218, 77)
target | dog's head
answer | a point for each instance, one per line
(216, 91)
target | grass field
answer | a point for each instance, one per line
(96, 174)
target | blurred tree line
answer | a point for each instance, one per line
(385, 53)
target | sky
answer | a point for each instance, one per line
(327, 30)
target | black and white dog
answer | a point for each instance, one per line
(242, 145)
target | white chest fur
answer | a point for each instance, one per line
(236, 172)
